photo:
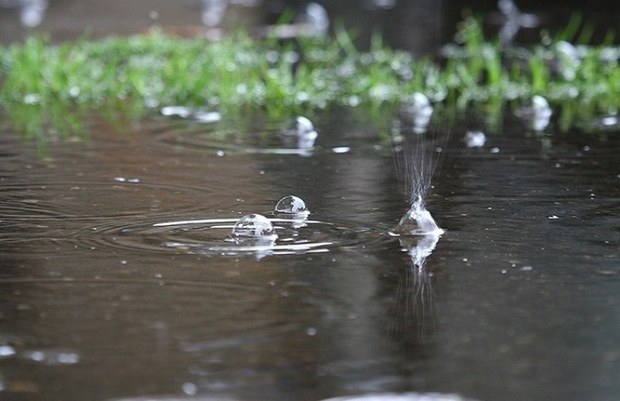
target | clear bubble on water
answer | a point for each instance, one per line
(291, 205)
(253, 226)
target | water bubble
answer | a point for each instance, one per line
(291, 205)
(253, 226)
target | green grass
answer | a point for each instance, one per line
(45, 88)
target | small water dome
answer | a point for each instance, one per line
(253, 226)
(291, 205)
(417, 221)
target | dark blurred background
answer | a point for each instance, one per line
(416, 25)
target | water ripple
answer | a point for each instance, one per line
(211, 237)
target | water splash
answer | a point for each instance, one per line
(418, 221)
(416, 155)
(537, 114)
(300, 135)
(514, 20)
(416, 111)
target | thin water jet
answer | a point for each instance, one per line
(416, 155)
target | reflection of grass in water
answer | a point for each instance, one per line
(41, 84)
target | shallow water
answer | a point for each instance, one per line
(117, 280)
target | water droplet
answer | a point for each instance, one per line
(253, 226)
(475, 139)
(291, 205)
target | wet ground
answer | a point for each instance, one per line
(119, 280)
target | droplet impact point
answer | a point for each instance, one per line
(417, 221)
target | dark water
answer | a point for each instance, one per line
(106, 291)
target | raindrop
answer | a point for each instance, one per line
(291, 205)
(253, 226)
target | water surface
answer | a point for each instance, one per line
(518, 300)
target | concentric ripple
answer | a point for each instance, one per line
(212, 237)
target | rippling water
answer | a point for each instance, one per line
(118, 281)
